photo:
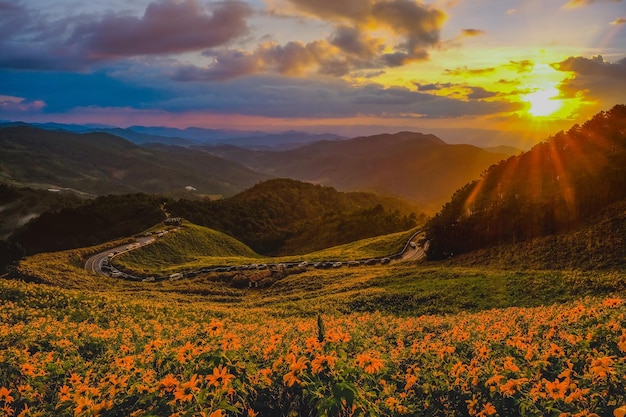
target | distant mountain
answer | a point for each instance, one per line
(421, 168)
(279, 141)
(505, 150)
(191, 136)
(100, 163)
(195, 134)
(553, 188)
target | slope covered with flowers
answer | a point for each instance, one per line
(68, 353)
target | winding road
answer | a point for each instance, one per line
(97, 263)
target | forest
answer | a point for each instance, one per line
(282, 216)
(553, 188)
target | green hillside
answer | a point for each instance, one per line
(286, 217)
(190, 247)
(554, 188)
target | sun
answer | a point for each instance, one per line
(543, 103)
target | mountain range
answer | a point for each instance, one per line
(418, 167)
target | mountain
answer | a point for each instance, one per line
(100, 163)
(190, 136)
(287, 217)
(418, 167)
(279, 141)
(553, 188)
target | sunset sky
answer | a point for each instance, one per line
(316, 65)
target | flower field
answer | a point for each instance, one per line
(71, 353)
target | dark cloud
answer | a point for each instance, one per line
(313, 97)
(415, 25)
(472, 32)
(467, 71)
(595, 79)
(479, 93)
(525, 65)
(432, 87)
(166, 27)
(29, 41)
(352, 41)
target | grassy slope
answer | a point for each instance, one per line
(195, 246)
(189, 247)
(412, 288)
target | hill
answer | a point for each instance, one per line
(287, 217)
(90, 223)
(553, 188)
(597, 245)
(100, 163)
(190, 247)
(420, 168)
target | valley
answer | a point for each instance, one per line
(292, 298)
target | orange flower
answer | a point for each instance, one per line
(369, 363)
(5, 394)
(64, 393)
(509, 365)
(621, 344)
(601, 367)
(215, 327)
(290, 379)
(323, 361)
(75, 379)
(296, 364)
(620, 412)
(488, 410)
(557, 389)
(512, 386)
(220, 377)
(169, 383)
(28, 369)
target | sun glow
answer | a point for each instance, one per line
(543, 103)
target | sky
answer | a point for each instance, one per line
(344, 66)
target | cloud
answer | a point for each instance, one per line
(32, 41)
(479, 93)
(412, 28)
(594, 79)
(619, 21)
(580, 3)
(19, 104)
(525, 65)
(472, 32)
(433, 87)
(464, 71)
(167, 27)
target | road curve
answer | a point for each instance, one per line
(95, 263)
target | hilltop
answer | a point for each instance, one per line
(418, 167)
(553, 189)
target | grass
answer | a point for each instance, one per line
(194, 247)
